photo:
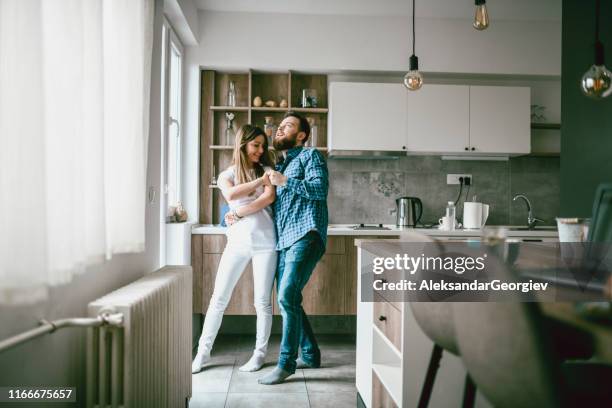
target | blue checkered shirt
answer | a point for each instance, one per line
(301, 204)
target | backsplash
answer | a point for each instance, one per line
(365, 190)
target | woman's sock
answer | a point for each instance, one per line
(277, 376)
(254, 364)
(199, 360)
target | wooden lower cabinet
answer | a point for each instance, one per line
(330, 290)
(380, 396)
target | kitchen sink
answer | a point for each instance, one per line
(542, 228)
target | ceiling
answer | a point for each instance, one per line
(521, 10)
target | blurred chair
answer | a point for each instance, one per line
(600, 229)
(436, 321)
(515, 361)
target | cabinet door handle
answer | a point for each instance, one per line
(382, 318)
(473, 148)
(467, 148)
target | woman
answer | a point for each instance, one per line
(251, 236)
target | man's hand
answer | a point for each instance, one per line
(277, 178)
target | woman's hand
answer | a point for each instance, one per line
(265, 179)
(276, 178)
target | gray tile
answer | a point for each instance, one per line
(247, 382)
(543, 191)
(373, 165)
(492, 189)
(420, 164)
(334, 165)
(471, 166)
(208, 400)
(337, 373)
(332, 399)
(431, 188)
(374, 195)
(267, 400)
(215, 377)
(341, 183)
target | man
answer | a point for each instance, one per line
(301, 225)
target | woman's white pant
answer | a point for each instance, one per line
(233, 262)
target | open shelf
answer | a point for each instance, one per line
(387, 364)
(248, 84)
(310, 110)
(266, 109)
(230, 108)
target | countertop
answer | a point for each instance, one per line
(393, 231)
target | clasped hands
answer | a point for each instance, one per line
(274, 178)
(270, 178)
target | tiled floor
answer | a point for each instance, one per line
(221, 385)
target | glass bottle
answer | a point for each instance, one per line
(451, 213)
(230, 136)
(312, 140)
(231, 94)
(269, 129)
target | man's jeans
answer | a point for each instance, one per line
(295, 265)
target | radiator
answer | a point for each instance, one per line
(147, 362)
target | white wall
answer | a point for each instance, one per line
(58, 359)
(335, 43)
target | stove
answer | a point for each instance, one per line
(370, 227)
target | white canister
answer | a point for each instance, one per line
(474, 215)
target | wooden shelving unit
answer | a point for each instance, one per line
(215, 151)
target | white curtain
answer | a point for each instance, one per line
(74, 103)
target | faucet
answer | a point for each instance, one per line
(531, 220)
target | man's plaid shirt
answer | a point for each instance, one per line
(301, 205)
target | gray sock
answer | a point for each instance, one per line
(277, 376)
(302, 364)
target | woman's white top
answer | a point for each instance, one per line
(255, 230)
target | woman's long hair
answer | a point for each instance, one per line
(240, 160)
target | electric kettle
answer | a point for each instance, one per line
(408, 211)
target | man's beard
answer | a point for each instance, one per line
(284, 143)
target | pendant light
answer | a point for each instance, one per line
(597, 81)
(481, 19)
(413, 80)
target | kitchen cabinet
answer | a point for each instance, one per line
(500, 119)
(438, 119)
(366, 117)
(474, 120)
(330, 290)
(206, 255)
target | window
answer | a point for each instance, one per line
(173, 59)
(172, 62)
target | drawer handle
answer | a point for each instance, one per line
(382, 318)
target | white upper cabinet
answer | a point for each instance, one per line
(366, 117)
(438, 119)
(500, 119)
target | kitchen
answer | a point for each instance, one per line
(436, 121)
(490, 113)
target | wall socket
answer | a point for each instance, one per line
(454, 178)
